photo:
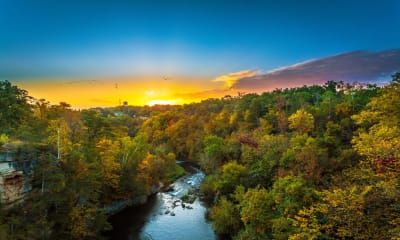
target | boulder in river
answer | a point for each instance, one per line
(176, 203)
(169, 188)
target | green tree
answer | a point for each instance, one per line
(305, 157)
(233, 174)
(272, 147)
(96, 126)
(58, 136)
(14, 107)
(213, 153)
(291, 194)
(225, 217)
(257, 211)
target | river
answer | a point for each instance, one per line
(164, 216)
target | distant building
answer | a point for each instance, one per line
(14, 183)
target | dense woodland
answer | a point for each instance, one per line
(314, 162)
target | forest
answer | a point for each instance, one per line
(312, 162)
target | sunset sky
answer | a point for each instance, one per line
(101, 53)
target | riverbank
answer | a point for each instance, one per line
(120, 205)
(167, 215)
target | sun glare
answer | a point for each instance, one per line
(150, 93)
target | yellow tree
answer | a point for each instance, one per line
(379, 139)
(381, 147)
(307, 226)
(86, 223)
(151, 170)
(301, 121)
(108, 152)
(363, 206)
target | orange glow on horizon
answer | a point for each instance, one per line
(137, 91)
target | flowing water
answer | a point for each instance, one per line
(165, 216)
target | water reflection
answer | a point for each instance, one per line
(165, 216)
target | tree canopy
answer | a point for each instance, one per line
(312, 162)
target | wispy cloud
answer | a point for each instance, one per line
(360, 66)
(231, 78)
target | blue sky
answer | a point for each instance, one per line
(109, 39)
(97, 38)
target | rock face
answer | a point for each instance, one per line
(14, 177)
(11, 186)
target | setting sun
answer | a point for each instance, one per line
(135, 90)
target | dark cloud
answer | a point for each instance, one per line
(357, 66)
